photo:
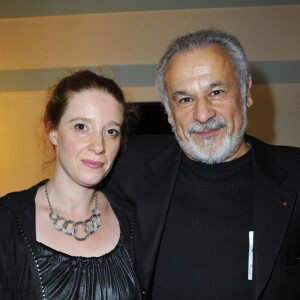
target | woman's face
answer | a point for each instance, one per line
(88, 137)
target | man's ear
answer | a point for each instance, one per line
(249, 97)
(170, 120)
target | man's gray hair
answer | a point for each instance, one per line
(201, 39)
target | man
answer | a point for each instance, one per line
(218, 215)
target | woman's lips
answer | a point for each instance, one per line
(92, 164)
(208, 133)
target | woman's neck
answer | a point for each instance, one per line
(69, 196)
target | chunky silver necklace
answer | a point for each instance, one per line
(90, 226)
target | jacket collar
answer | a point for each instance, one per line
(265, 162)
(154, 193)
(273, 208)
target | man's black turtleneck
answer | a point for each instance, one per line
(207, 228)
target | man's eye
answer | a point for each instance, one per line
(113, 132)
(185, 100)
(80, 127)
(217, 93)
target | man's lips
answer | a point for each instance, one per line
(208, 133)
(92, 164)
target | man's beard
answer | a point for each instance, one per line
(212, 152)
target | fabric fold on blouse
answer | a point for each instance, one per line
(110, 276)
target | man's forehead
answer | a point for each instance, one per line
(198, 61)
(195, 55)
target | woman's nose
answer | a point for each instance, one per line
(97, 144)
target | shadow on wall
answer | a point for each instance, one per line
(261, 115)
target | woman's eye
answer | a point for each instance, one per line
(80, 127)
(113, 132)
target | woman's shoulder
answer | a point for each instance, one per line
(20, 199)
(11, 205)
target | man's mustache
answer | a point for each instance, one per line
(211, 124)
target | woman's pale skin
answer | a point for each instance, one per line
(87, 141)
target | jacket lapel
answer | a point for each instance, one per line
(273, 207)
(154, 194)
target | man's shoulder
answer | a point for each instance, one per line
(150, 140)
(148, 145)
(288, 157)
(289, 151)
(276, 149)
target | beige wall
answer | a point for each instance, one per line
(267, 33)
(19, 152)
(125, 38)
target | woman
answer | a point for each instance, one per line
(61, 239)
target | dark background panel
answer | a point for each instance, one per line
(151, 119)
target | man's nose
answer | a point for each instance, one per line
(203, 110)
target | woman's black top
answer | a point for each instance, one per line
(110, 276)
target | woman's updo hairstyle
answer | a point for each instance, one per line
(77, 82)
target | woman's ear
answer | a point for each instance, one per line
(53, 137)
(52, 133)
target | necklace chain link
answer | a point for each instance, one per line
(89, 226)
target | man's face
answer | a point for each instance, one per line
(208, 115)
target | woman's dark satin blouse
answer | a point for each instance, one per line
(110, 276)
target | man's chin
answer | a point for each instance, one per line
(205, 143)
(208, 151)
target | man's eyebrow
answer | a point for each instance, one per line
(179, 93)
(218, 84)
(211, 86)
